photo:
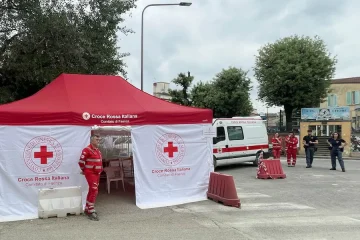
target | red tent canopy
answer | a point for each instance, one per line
(73, 99)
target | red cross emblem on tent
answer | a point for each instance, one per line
(170, 149)
(86, 116)
(43, 154)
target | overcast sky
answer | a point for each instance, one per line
(214, 34)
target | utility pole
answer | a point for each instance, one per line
(281, 120)
(267, 117)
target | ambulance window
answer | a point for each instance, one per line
(220, 132)
(235, 133)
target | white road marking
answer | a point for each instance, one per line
(273, 206)
(334, 184)
(295, 221)
(215, 207)
(252, 195)
(218, 207)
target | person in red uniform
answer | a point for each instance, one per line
(91, 166)
(291, 145)
(276, 142)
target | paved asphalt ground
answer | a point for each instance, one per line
(310, 204)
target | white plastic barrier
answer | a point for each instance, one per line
(58, 202)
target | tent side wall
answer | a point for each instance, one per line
(37, 157)
(172, 164)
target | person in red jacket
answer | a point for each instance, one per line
(291, 145)
(91, 166)
(276, 142)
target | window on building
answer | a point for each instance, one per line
(332, 100)
(235, 133)
(353, 98)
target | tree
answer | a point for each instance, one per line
(228, 95)
(202, 95)
(294, 72)
(41, 39)
(182, 96)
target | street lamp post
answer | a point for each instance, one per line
(267, 118)
(182, 4)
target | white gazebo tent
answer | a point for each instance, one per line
(42, 137)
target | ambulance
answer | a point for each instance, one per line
(239, 139)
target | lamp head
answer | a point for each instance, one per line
(185, 4)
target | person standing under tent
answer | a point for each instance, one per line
(91, 166)
(276, 142)
(291, 149)
(337, 145)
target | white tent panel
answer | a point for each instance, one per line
(172, 164)
(36, 157)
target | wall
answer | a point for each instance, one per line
(345, 129)
(338, 97)
(159, 87)
(161, 90)
(273, 119)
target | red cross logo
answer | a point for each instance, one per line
(43, 155)
(48, 159)
(170, 149)
(86, 116)
(166, 146)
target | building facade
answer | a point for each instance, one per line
(345, 92)
(161, 90)
(339, 112)
(323, 122)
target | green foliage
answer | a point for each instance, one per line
(41, 39)
(294, 72)
(181, 96)
(227, 95)
(202, 95)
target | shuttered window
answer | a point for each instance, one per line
(357, 97)
(353, 98)
(332, 100)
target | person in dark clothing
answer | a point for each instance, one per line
(310, 143)
(337, 147)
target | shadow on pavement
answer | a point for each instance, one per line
(235, 167)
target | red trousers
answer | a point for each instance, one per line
(93, 179)
(291, 153)
(276, 153)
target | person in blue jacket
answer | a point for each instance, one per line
(336, 148)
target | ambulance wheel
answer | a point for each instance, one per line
(214, 162)
(256, 162)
